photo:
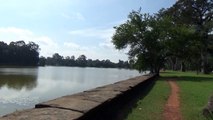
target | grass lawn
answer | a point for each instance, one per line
(195, 91)
(151, 106)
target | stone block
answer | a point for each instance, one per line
(72, 102)
(43, 114)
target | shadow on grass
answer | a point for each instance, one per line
(131, 102)
(182, 77)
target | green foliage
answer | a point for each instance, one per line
(180, 36)
(42, 61)
(81, 61)
(19, 54)
(198, 15)
(142, 34)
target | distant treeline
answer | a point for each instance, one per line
(19, 54)
(81, 61)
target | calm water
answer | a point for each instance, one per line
(22, 88)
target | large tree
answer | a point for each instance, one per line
(143, 35)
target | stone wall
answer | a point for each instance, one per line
(102, 103)
(208, 110)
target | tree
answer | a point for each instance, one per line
(19, 53)
(33, 53)
(42, 61)
(197, 14)
(81, 61)
(57, 59)
(142, 34)
(3, 53)
(179, 45)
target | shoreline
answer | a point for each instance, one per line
(86, 104)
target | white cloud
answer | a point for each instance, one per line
(73, 16)
(71, 45)
(75, 47)
(47, 45)
(103, 50)
(79, 16)
(16, 31)
(66, 16)
(104, 35)
(94, 32)
(106, 45)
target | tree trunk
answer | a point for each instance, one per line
(174, 63)
(157, 71)
(204, 63)
(183, 68)
(204, 54)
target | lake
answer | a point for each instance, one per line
(22, 88)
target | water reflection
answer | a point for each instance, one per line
(18, 78)
(18, 82)
(22, 88)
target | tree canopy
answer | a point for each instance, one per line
(19, 54)
(179, 37)
(141, 34)
(199, 15)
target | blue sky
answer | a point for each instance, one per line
(71, 27)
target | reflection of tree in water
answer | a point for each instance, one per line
(18, 82)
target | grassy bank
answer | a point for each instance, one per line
(151, 106)
(195, 91)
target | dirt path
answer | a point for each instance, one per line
(172, 108)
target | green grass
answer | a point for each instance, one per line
(195, 91)
(151, 106)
